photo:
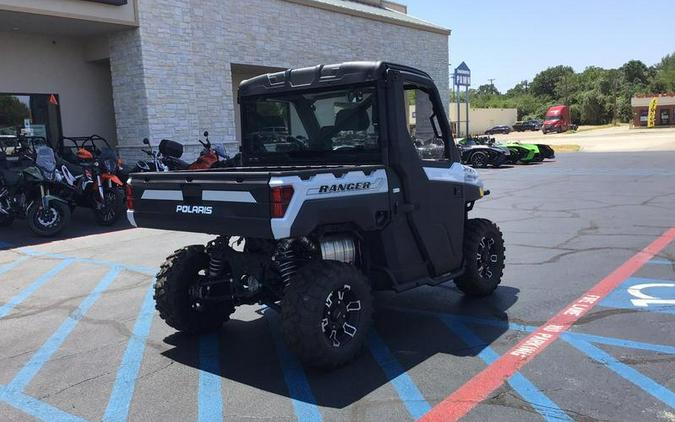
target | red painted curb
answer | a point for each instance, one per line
(477, 389)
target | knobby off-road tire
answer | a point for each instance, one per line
(483, 258)
(172, 299)
(324, 295)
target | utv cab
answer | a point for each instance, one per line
(334, 198)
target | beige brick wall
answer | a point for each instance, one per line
(172, 76)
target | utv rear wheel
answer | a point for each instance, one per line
(326, 313)
(176, 306)
(483, 258)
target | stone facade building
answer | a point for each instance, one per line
(130, 69)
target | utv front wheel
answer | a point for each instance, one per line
(176, 306)
(326, 313)
(483, 258)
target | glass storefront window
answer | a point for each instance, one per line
(30, 115)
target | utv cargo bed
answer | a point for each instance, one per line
(237, 201)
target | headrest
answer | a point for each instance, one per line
(352, 119)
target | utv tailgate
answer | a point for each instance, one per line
(234, 203)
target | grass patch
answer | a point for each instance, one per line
(566, 148)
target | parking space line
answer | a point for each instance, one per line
(36, 408)
(119, 402)
(525, 388)
(210, 400)
(629, 344)
(642, 381)
(135, 268)
(406, 389)
(304, 403)
(45, 352)
(477, 389)
(11, 265)
(661, 261)
(33, 287)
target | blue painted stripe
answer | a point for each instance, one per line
(630, 344)
(528, 391)
(36, 408)
(660, 261)
(127, 373)
(45, 352)
(642, 381)
(210, 390)
(11, 265)
(304, 403)
(25, 293)
(136, 268)
(410, 395)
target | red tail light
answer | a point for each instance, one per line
(130, 196)
(280, 198)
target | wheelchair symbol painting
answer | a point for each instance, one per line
(643, 294)
(644, 299)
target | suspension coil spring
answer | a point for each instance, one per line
(287, 263)
(217, 262)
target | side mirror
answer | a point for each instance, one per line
(146, 141)
(206, 133)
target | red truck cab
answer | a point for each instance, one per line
(558, 120)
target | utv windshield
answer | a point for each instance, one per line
(327, 127)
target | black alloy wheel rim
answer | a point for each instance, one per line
(47, 217)
(487, 257)
(341, 315)
(479, 160)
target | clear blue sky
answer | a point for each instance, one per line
(513, 40)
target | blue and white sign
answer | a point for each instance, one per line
(462, 75)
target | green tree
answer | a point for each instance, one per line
(12, 111)
(664, 75)
(636, 72)
(546, 82)
(487, 90)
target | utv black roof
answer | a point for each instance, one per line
(321, 76)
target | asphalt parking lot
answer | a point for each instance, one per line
(582, 328)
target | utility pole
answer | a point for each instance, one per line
(492, 81)
(527, 84)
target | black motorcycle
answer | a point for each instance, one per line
(26, 187)
(166, 158)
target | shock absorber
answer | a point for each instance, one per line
(286, 260)
(217, 263)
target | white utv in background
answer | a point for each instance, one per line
(330, 201)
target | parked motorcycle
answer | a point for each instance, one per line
(93, 183)
(168, 157)
(165, 159)
(26, 187)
